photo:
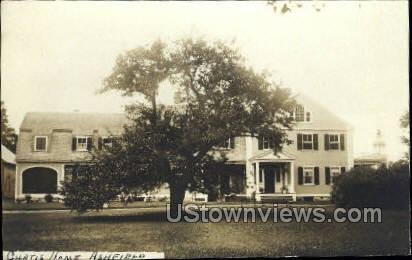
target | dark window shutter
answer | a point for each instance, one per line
(327, 175)
(326, 142)
(300, 175)
(300, 140)
(99, 143)
(232, 143)
(315, 142)
(342, 142)
(32, 143)
(260, 142)
(308, 116)
(74, 143)
(316, 175)
(342, 169)
(89, 143)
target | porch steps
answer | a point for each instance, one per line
(277, 198)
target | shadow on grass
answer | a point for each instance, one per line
(161, 216)
(146, 217)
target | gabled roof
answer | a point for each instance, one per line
(322, 117)
(269, 155)
(7, 155)
(78, 123)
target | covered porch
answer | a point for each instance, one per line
(273, 176)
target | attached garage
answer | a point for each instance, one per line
(39, 180)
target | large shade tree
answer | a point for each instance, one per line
(217, 97)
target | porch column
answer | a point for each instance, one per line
(257, 177)
(250, 179)
(17, 183)
(257, 189)
(292, 178)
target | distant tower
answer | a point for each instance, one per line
(379, 145)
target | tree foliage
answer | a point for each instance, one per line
(8, 134)
(404, 122)
(405, 139)
(217, 97)
(368, 187)
(284, 7)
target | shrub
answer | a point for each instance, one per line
(48, 198)
(366, 187)
(86, 190)
(27, 198)
(139, 198)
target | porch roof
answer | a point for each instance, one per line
(270, 156)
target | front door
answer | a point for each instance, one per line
(269, 180)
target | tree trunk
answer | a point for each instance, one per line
(177, 195)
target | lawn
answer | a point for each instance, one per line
(11, 205)
(147, 230)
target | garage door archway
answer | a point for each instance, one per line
(39, 180)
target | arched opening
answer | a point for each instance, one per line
(39, 180)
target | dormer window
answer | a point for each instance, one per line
(40, 143)
(105, 142)
(82, 143)
(300, 114)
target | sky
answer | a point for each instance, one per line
(351, 57)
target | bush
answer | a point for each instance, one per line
(27, 198)
(87, 190)
(366, 187)
(48, 198)
(139, 198)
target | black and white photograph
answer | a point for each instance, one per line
(204, 129)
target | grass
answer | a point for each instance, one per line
(147, 230)
(11, 205)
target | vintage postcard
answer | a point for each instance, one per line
(204, 129)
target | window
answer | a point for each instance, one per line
(334, 172)
(40, 143)
(81, 143)
(107, 142)
(307, 142)
(334, 142)
(300, 115)
(308, 176)
(265, 142)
